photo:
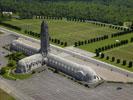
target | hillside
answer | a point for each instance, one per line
(108, 11)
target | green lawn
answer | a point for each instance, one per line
(5, 96)
(92, 46)
(124, 52)
(114, 63)
(67, 31)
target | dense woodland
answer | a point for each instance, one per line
(108, 11)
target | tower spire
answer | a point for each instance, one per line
(44, 38)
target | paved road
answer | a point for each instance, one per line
(80, 51)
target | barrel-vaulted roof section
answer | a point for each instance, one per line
(30, 59)
(26, 43)
(85, 69)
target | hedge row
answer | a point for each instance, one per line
(83, 20)
(48, 17)
(121, 33)
(118, 61)
(11, 26)
(37, 35)
(107, 47)
(31, 33)
(79, 43)
(110, 26)
(57, 41)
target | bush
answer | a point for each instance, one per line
(97, 54)
(113, 59)
(33, 72)
(130, 64)
(11, 63)
(65, 44)
(102, 55)
(62, 43)
(124, 62)
(118, 60)
(3, 71)
(107, 58)
(75, 44)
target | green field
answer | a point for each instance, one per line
(5, 96)
(92, 46)
(67, 31)
(124, 52)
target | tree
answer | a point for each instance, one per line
(11, 63)
(3, 71)
(58, 41)
(85, 41)
(107, 58)
(75, 44)
(102, 55)
(79, 43)
(124, 62)
(62, 43)
(113, 59)
(97, 54)
(65, 44)
(55, 41)
(130, 64)
(118, 61)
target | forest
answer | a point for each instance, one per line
(107, 11)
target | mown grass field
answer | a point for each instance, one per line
(70, 32)
(92, 46)
(67, 31)
(124, 52)
(5, 96)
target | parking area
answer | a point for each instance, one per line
(5, 40)
(50, 86)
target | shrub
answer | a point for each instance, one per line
(107, 58)
(85, 41)
(118, 60)
(97, 54)
(55, 40)
(102, 55)
(33, 72)
(130, 64)
(62, 43)
(113, 59)
(3, 70)
(58, 41)
(11, 63)
(65, 44)
(124, 62)
(75, 44)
